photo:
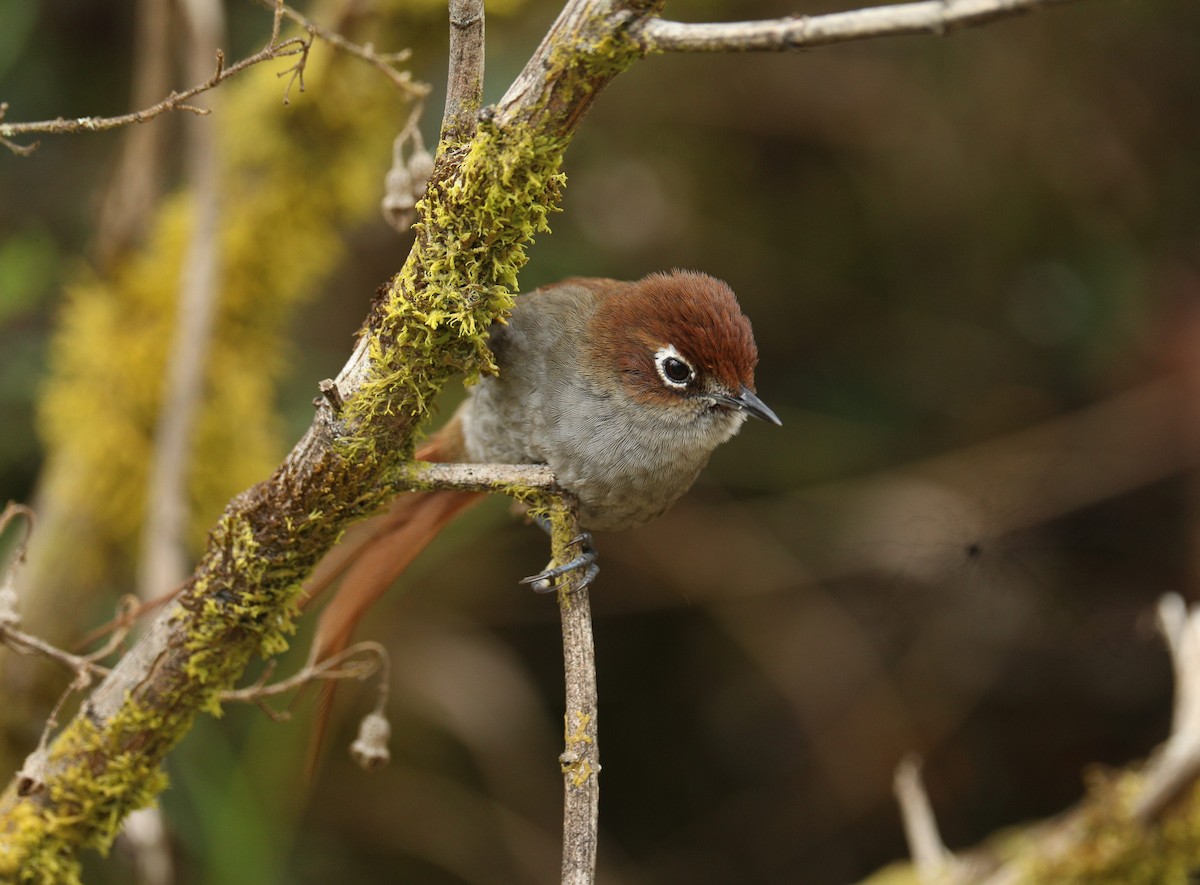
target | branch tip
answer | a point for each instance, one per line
(937, 17)
(929, 854)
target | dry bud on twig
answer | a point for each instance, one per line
(406, 180)
(370, 748)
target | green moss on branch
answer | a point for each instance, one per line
(488, 199)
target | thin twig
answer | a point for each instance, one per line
(801, 32)
(932, 860)
(580, 759)
(23, 643)
(359, 661)
(1176, 765)
(385, 62)
(31, 778)
(21, 150)
(477, 477)
(27, 644)
(370, 749)
(464, 83)
(176, 101)
(11, 511)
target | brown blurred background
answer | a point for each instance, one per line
(973, 266)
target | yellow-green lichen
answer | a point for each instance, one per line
(486, 202)
(607, 56)
(98, 776)
(1110, 847)
(294, 179)
(482, 209)
(242, 600)
(432, 321)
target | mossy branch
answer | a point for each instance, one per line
(488, 197)
(492, 190)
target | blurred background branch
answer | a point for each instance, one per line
(1120, 832)
(163, 562)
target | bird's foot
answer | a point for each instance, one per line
(583, 566)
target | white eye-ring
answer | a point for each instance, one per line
(672, 368)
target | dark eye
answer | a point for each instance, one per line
(676, 370)
(673, 369)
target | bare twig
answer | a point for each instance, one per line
(176, 101)
(1176, 765)
(31, 778)
(359, 661)
(385, 62)
(27, 644)
(477, 477)
(464, 84)
(21, 150)
(580, 759)
(179, 101)
(1125, 818)
(801, 32)
(933, 861)
(11, 511)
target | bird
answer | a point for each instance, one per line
(623, 389)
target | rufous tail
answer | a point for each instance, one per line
(372, 555)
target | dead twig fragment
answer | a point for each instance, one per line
(1176, 765)
(938, 17)
(932, 859)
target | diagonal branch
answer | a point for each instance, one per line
(489, 195)
(804, 31)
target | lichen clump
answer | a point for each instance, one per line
(104, 775)
(476, 221)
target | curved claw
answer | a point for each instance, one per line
(540, 584)
(547, 580)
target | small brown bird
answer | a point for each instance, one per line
(623, 389)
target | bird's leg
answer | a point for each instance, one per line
(584, 564)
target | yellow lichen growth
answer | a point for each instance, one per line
(461, 275)
(88, 804)
(486, 202)
(1111, 848)
(293, 178)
